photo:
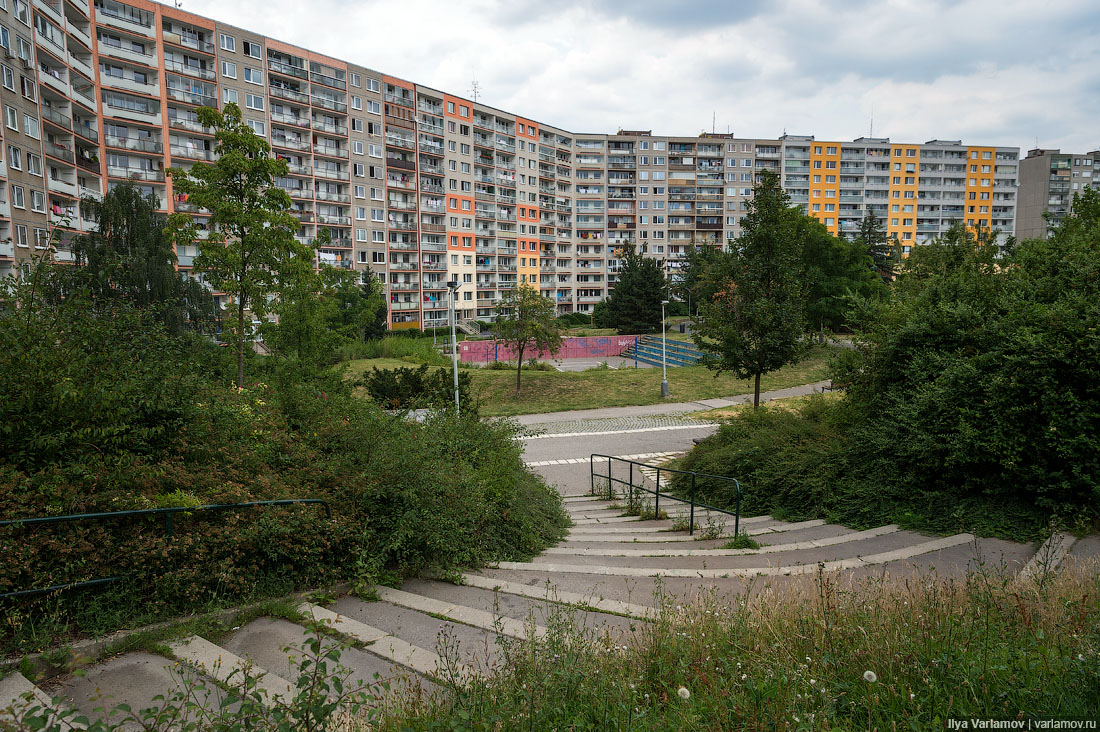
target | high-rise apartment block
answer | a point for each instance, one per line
(413, 184)
(1048, 181)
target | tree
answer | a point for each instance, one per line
(128, 257)
(361, 307)
(634, 306)
(252, 238)
(525, 321)
(693, 283)
(755, 323)
(836, 271)
(884, 250)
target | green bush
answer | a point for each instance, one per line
(104, 412)
(407, 388)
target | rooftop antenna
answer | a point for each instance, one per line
(872, 133)
(713, 116)
(475, 90)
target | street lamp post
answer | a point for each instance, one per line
(452, 285)
(664, 357)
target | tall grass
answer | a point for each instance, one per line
(821, 654)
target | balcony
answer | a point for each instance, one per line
(131, 112)
(128, 23)
(191, 125)
(333, 219)
(398, 99)
(192, 42)
(136, 174)
(397, 141)
(289, 94)
(331, 151)
(190, 70)
(290, 119)
(333, 173)
(323, 195)
(329, 103)
(61, 186)
(56, 118)
(332, 129)
(138, 144)
(290, 144)
(191, 153)
(191, 97)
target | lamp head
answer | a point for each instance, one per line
(453, 285)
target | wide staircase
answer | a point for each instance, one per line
(611, 574)
(647, 349)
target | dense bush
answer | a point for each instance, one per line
(407, 388)
(973, 400)
(104, 412)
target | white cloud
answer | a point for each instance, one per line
(984, 71)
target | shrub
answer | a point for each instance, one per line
(407, 388)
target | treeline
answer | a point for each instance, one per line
(972, 398)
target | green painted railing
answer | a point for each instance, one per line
(169, 531)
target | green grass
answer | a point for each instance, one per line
(556, 391)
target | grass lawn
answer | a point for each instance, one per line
(723, 414)
(556, 391)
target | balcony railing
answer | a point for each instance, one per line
(189, 97)
(185, 41)
(328, 103)
(290, 119)
(398, 99)
(287, 69)
(57, 118)
(136, 173)
(290, 94)
(290, 144)
(139, 144)
(183, 68)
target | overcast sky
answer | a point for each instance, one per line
(1007, 72)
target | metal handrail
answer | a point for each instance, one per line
(631, 487)
(169, 530)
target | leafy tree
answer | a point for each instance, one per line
(525, 321)
(129, 258)
(251, 245)
(694, 284)
(755, 323)
(836, 271)
(884, 250)
(634, 306)
(361, 307)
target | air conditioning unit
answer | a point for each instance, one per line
(27, 65)
(9, 55)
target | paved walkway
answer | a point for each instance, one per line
(666, 408)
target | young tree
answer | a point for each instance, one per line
(693, 283)
(361, 307)
(525, 321)
(883, 249)
(634, 306)
(252, 239)
(755, 324)
(129, 257)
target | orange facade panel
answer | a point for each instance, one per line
(825, 183)
(980, 162)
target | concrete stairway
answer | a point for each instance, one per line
(610, 574)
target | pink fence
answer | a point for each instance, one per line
(590, 347)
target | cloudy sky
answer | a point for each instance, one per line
(1008, 72)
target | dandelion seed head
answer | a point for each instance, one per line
(683, 693)
(870, 677)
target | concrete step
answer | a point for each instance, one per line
(222, 665)
(134, 679)
(19, 695)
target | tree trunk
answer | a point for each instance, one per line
(240, 343)
(519, 367)
(756, 394)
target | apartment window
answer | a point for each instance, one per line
(463, 111)
(229, 96)
(5, 38)
(17, 193)
(229, 69)
(252, 49)
(374, 107)
(361, 213)
(361, 191)
(260, 128)
(374, 128)
(15, 157)
(253, 76)
(356, 124)
(21, 234)
(374, 150)
(28, 88)
(359, 170)
(361, 235)
(34, 164)
(375, 171)
(378, 237)
(356, 102)
(8, 78)
(373, 85)
(254, 101)
(356, 80)
(38, 201)
(376, 194)
(986, 155)
(41, 238)
(377, 214)
(11, 117)
(229, 43)
(357, 147)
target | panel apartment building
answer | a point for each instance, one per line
(1048, 181)
(413, 184)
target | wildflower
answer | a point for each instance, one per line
(813, 681)
(869, 677)
(744, 676)
(683, 693)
